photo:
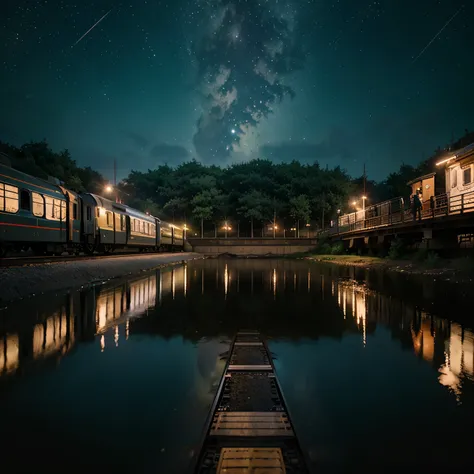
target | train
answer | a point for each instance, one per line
(49, 219)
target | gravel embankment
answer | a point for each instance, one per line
(29, 280)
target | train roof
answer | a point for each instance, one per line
(25, 180)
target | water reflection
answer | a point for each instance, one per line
(299, 306)
(447, 346)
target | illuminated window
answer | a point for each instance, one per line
(8, 198)
(122, 222)
(38, 204)
(50, 209)
(454, 178)
(109, 219)
(142, 226)
(467, 176)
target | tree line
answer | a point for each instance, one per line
(254, 195)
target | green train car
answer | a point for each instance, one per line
(49, 219)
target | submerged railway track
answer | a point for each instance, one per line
(249, 428)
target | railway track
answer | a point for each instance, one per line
(41, 259)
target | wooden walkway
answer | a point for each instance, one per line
(249, 429)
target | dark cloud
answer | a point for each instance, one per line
(139, 140)
(338, 145)
(169, 153)
(248, 48)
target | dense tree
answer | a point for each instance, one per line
(254, 192)
(37, 159)
(300, 210)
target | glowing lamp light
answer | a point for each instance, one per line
(364, 197)
(445, 160)
(308, 225)
(109, 189)
(354, 203)
(232, 131)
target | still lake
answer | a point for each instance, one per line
(377, 369)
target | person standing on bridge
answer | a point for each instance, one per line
(416, 206)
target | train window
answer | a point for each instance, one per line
(467, 176)
(148, 228)
(454, 178)
(38, 204)
(109, 219)
(63, 210)
(8, 198)
(74, 211)
(25, 202)
(143, 226)
(89, 213)
(122, 222)
(52, 210)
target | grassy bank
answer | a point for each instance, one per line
(447, 269)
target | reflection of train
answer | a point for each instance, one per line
(60, 321)
(49, 218)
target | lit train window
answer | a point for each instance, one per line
(122, 222)
(9, 201)
(38, 204)
(63, 210)
(143, 227)
(109, 219)
(52, 211)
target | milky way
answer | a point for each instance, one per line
(246, 52)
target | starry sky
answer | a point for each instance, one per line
(343, 82)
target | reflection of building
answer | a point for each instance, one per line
(446, 346)
(459, 359)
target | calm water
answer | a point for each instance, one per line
(120, 378)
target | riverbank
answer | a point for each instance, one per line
(33, 279)
(459, 269)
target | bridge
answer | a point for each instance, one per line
(251, 247)
(445, 221)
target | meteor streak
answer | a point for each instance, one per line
(437, 34)
(90, 29)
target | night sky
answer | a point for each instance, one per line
(343, 82)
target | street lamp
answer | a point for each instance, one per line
(109, 188)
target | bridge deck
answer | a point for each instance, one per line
(249, 429)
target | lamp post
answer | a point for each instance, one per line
(110, 189)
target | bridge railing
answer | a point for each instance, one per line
(398, 211)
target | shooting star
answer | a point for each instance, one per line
(437, 34)
(91, 28)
